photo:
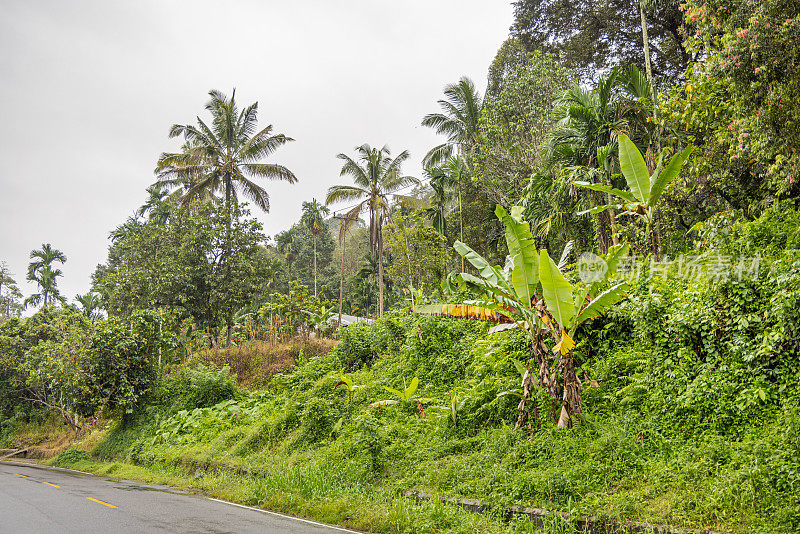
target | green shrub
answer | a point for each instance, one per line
(70, 456)
(199, 388)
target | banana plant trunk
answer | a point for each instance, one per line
(571, 400)
(547, 381)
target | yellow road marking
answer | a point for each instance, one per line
(101, 502)
(23, 476)
(54, 485)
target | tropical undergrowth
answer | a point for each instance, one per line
(691, 413)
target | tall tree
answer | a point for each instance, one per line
(227, 155)
(584, 139)
(9, 294)
(41, 271)
(592, 37)
(375, 175)
(458, 121)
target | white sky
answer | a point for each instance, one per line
(88, 90)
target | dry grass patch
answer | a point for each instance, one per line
(256, 362)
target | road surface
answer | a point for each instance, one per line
(40, 500)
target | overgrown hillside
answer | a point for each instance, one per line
(690, 416)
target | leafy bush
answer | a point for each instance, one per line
(199, 387)
(71, 456)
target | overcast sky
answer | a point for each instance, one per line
(88, 91)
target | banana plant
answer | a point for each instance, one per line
(404, 396)
(532, 293)
(351, 388)
(645, 189)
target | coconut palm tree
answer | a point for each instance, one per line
(375, 175)
(227, 155)
(461, 111)
(313, 213)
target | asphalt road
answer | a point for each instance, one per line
(40, 500)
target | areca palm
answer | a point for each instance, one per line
(90, 303)
(441, 184)
(461, 110)
(584, 138)
(313, 213)
(375, 175)
(46, 278)
(155, 207)
(41, 271)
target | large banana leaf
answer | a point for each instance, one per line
(557, 291)
(486, 269)
(660, 180)
(603, 302)
(489, 290)
(522, 247)
(634, 169)
(615, 254)
(625, 195)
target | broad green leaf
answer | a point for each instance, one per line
(615, 254)
(486, 269)
(599, 209)
(557, 291)
(412, 388)
(624, 195)
(604, 302)
(522, 247)
(580, 299)
(634, 169)
(395, 391)
(661, 179)
(565, 254)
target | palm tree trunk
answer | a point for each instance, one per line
(649, 70)
(380, 272)
(228, 222)
(315, 265)
(341, 279)
(461, 222)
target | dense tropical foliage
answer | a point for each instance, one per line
(588, 302)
